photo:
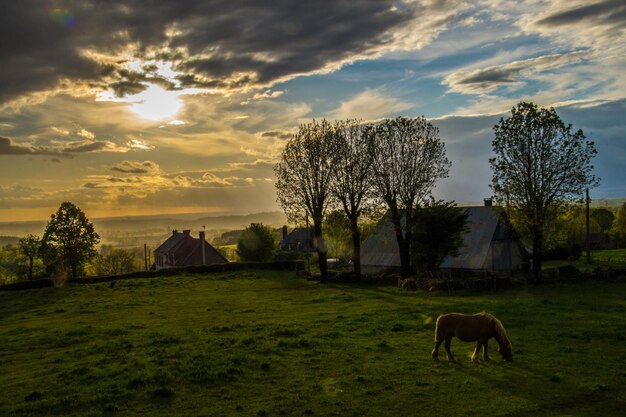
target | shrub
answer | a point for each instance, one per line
(257, 243)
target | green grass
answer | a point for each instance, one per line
(271, 344)
(614, 258)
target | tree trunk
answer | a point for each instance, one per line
(356, 256)
(30, 268)
(537, 252)
(320, 246)
(404, 246)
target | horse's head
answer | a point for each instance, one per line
(506, 351)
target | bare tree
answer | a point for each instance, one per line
(408, 157)
(303, 179)
(539, 165)
(352, 185)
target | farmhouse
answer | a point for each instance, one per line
(181, 249)
(488, 245)
(299, 240)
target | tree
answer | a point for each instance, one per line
(9, 263)
(604, 217)
(257, 243)
(539, 165)
(117, 261)
(351, 183)
(303, 178)
(72, 237)
(337, 235)
(437, 232)
(619, 225)
(408, 157)
(30, 247)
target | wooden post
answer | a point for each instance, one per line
(587, 243)
(145, 256)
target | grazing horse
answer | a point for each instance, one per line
(471, 328)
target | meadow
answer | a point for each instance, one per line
(604, 259)
(263, 343)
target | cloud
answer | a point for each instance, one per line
(370, 105)
(601, 22)
(279, 134)
(485, 80)
(7, 147)
(218, 45)
(86, 134)
(136, 167)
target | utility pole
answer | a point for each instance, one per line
(145, 255)
(587, 243)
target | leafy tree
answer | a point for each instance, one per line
(604, 217)
(30, 247)
(337, 234)
(351, 183)
(9, 263)
(114, 261)
(539, 165)
(408, 157)
(619, 225)
(72, 237)
(257, 243)
(303, 178)
(437, 232)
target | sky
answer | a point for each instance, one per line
(154, 106)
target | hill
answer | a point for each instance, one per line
(134, 231)
(270, 344)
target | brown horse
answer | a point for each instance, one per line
(471, 328)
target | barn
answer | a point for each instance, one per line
(489, 244)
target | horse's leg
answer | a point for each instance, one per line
(435, 354)
(486, 351)
(447, 346)
(476, 353)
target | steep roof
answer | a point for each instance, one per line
(381, 249)
(482, 223)
(301, 238)
(172, 241)
(186, 250)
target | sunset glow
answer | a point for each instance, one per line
(208, 96)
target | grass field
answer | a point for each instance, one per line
(613, 258)
(271, 344)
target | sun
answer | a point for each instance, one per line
(156, 103)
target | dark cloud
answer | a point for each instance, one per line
(487, 79)
(7, 147)
(136, 167)
(279, 134)
(607, 12)
(219, 43)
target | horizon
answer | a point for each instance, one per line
(185, 110)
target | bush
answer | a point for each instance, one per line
(572, 252)
(256, 244)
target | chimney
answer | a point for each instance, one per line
(285, 230)
(202, 247)
(186, 232)
(174, 232)
(488, 202)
